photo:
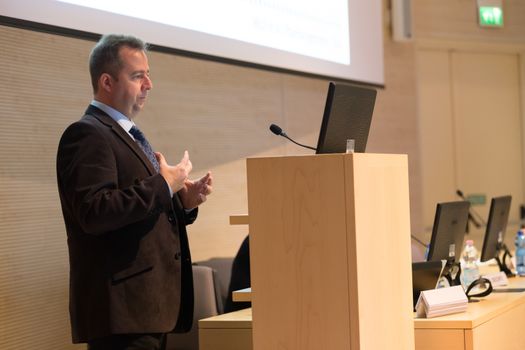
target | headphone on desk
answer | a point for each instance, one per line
(483, 283)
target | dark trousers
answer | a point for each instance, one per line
(130, 342)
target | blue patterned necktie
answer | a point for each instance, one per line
(144, 144)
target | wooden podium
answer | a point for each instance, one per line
(330, 252)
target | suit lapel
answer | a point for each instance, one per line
(122, 134)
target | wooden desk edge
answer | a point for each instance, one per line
(473, 319)
(242, 295)
(237, 319)
(239, 220)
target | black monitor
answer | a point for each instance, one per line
(496, 226)
(347, 115)
(450, 223)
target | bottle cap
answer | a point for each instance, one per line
(469, 242)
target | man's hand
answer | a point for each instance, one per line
(194, 192)
(177, 175)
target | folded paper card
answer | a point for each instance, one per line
(498, 279)
(442, 301)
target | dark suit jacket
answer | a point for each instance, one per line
(130, 264)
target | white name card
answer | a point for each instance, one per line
(498, 279)
(442, 301)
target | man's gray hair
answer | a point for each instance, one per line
(104, 57)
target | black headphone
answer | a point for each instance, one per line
(482, 282)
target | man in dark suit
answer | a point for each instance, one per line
(125, 211)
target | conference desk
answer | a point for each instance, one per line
(242, 295)
(496, 322)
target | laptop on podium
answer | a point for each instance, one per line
(347, 115)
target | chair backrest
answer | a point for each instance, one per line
(205, 302)
(223, 269)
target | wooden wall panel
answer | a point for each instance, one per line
(394, 125)
(486, 93)
(457, 19)
(219, 112)
(41, 92)
(450, 29)
(436, 134)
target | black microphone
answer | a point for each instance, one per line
(279, 132)
(470, 216)
(460, 193)
(276, 129)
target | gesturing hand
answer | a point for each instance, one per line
(194, 192)
(177, 175)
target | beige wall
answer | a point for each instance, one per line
(219, 112)
(469, 107)
(457, 19)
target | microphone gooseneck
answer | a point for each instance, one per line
(418, 240)
(279, 132)
(477, 222)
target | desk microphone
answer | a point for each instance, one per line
(470, 216)
(279, 132)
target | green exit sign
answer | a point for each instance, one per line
(490, 16)
(477, 199)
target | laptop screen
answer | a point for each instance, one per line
(347, 115)
(425, 276)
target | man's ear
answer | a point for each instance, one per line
(105, 82)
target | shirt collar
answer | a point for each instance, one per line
(120, 118)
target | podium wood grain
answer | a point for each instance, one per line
(333, 231)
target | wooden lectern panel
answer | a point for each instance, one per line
(297, 231)
(379, 247)
(314, 223)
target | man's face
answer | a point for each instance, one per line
(131, 87)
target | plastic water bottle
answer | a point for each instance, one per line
(469, 264)
(520, 253)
